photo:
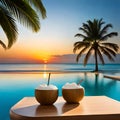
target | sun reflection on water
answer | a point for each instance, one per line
(45, 73)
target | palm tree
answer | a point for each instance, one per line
(24, 12)
(94, 42)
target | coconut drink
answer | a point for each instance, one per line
(46, 94)
(72, 93)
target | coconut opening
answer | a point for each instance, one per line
(46, 87)
(71, 86)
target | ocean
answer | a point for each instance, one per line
(20, 80)
(56, 67)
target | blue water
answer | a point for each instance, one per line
(16, 85)
(56, 67)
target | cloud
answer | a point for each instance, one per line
(71, 58)
(66, 58)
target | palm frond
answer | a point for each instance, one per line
(111, 51)
(90, 23)
(80, 53)
(112, 34)
(38, 5)
(106, 52)
(88, 56)
(2, 2)
(100, 56)
(85, 31)
(100, 23)
(24, 13)
(76, 43)
(80, 35)
(8, 25)
(86, 26)
(75, 49)
(88, 39)
(105, 29)
(2, 44)
(113, 46)
(79, 45)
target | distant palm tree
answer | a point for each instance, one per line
(24, 12)
(94, 41)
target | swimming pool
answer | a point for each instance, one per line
(14, 86)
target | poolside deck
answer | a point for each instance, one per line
(112, 77)
(90, 108)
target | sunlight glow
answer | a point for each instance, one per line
(45, 75)
(45, 68)
(42, 56)
(45, 60)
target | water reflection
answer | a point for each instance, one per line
(45, 68)
(95, 84)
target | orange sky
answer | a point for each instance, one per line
(56, 36)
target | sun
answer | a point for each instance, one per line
(45, 61)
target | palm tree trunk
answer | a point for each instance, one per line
(96, 61)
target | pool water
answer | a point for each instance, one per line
(14, 86)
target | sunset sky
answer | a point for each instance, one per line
(56, 36)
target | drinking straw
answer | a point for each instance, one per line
(49, 79)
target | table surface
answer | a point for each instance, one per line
(91, 107)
